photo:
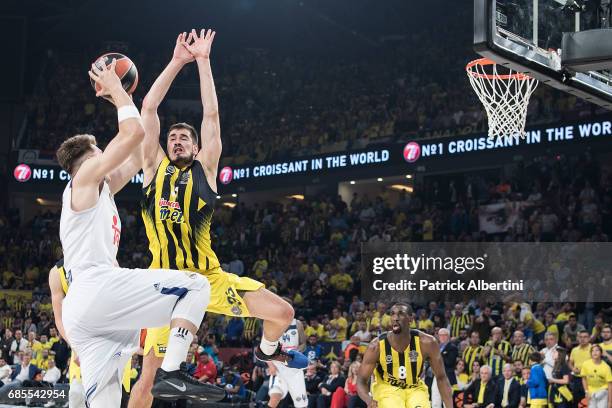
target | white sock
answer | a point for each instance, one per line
(178, 346)
(268, 347)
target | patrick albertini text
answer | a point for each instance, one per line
(412, 264)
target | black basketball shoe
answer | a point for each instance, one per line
(179, 384)
(292, 358)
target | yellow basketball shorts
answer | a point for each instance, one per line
(225, 299)
(388, 396)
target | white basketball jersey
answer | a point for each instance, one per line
(90, 238)
(290, 340)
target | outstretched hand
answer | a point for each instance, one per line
(106, 78)
(200, 48)
(181, 54)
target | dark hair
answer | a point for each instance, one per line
(560, 362)
(72, 151)
(535, 356)
(583, 331)
(194, 133)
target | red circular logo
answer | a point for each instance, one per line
(226, 175)
(412, 152)
(22, 173)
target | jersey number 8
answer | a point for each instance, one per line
(402, 372)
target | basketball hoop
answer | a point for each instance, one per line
(504, 96)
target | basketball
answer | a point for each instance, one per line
(125, 69)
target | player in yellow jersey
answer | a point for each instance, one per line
(396, 359)
(59, 282)
(180, 189)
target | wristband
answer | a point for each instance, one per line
(127, 112)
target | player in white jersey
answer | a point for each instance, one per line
(106, 306)
(285, 380)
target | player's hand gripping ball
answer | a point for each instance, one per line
(124, 68)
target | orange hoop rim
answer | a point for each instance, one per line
(486, 61)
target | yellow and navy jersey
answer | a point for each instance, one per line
(400, 369)
(177, 210)
(459, 322)
(64, 275)
(495, 361)
(522, 353)
(471, 354)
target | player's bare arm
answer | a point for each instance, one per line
(96, 168)
(301, 336)
(431, 350)
(210, 131)
(370, 359)
(57, 297)
(152, 150)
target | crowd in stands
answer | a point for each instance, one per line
(275, 105)
(308, 251)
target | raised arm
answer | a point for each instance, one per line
(365, 372)
(211, 129)
(57, 297)
(153, 152)
(93, 170)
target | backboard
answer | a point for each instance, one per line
(526, 36)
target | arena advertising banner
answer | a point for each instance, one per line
(441, 154)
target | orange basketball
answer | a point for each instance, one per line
(125, 69)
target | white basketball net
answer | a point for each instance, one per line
(504, 96)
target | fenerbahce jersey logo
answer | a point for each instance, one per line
(170, 210)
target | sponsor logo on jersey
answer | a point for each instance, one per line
(236, 310)
(388, 359)
(116, 230)
(413, 355)
(184, 178)
(170, 170)
(170, 210)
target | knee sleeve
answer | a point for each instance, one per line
(193, 304)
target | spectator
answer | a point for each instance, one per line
(508, 389)
(18, 344)
(548, 353)
(233, 384)
(206, 370)
(462, 377)
(211, 348)
(537, 383)
(338, 326)
(606, 344)
(473, 352)
(326, 388)
(483, 391)
(347, 396)
(52, 374)
(496, 352)
(5, 372)
(571, 330)
(24, 371)
(579, 355)
(313, 379)
(233, 331)
(313, 350)
(560, 395)
(521, 350)
(597, 380)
